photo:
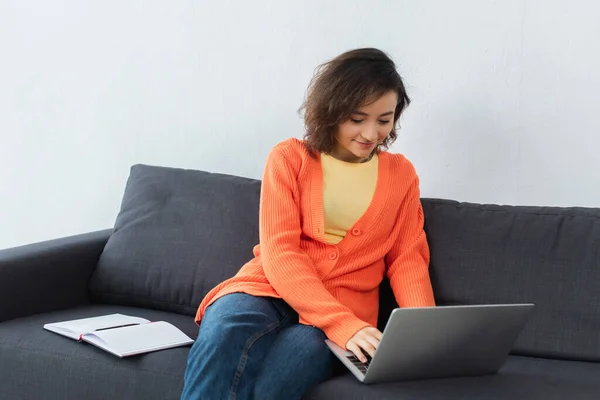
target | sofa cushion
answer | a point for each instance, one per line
(178, 234)
(37, 364)
(519, 378)
(505, 254)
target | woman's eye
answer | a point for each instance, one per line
(356, 121)
(384, 122)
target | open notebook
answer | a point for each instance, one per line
(122, 335)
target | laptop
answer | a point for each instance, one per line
(440, 342)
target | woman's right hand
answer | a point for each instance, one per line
(367, 339)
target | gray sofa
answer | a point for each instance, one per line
(180, 232)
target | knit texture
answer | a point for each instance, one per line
(334, 287)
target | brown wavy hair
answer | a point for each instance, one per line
(343, 85)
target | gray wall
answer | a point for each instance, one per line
(505, 96)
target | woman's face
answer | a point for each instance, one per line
(367, 127)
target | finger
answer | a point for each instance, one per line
(377, 333)
(372, 339)
(353, 347)
(366, 346)
(372, 335)
(374, 332)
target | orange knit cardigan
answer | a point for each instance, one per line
(334, 287)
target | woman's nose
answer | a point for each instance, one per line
(370, 134)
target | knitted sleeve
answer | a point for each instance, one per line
(408, 260)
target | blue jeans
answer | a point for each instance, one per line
(253, 348)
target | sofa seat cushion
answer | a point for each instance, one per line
(37, 364)
(520, 378)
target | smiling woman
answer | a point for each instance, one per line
(356, 98)
(368, 127)
(324, 244)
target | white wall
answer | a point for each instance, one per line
(505, 109)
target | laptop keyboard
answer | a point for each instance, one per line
(362, 367)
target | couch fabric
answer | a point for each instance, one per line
(48, 276)
(543, 255)
(37, 364)
(180, 232)
(43, 365)
(521, 378)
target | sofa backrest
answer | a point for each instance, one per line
(178, 234)
(504, 254)
(181, 232)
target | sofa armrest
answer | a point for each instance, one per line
(48, 276)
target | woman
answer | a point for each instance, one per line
(337, 212)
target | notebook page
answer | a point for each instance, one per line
(141, 338)
(77, 327)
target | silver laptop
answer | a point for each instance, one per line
(440, 342)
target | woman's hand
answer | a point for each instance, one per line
(367, 339)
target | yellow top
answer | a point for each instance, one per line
(348, 189)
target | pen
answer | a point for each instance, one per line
(113, 327)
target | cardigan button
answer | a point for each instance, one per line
(356, 232)
(333, 256)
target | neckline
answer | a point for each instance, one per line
(373, 210)
(348, 163)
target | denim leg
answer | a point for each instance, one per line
(235, 335)
(298, 360)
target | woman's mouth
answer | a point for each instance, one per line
(365, 146)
